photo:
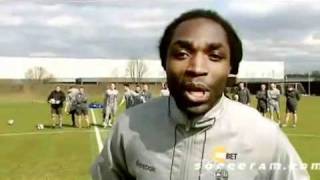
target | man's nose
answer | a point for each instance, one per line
(197, 65)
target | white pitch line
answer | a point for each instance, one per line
(44, 132)
(89, 131)
(304, 135)
(98, 136)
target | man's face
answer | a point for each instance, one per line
(198, 64)
(145, 87)
(82, 90)
(113, 86)
(263, 87)
(241, 85)
(138, 89)
(58, 88)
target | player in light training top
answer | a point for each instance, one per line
(71, 104)
(274, 102)
(146, 93)
(164, 90)
(110, 104)
(56, 99)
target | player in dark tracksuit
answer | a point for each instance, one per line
(81, 100)
(127, 97)
(292, 98)
(138, 97)
(56, 99)
(262, 98)
(243, 94)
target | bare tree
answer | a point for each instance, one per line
(136, 70)
(38, 74)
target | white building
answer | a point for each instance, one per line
(72, 68)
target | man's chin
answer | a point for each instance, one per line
(194, 111)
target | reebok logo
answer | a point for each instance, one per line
(145, 166)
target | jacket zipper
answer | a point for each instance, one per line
(185, 173)
(188, 126)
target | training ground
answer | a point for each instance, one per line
(30, 154)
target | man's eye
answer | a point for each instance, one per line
(215, 57)
(181, 55)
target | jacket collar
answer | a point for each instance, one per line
(203, 121)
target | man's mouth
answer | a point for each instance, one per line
(197, 92)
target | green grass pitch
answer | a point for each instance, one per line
(30, 154)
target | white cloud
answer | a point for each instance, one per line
(143, 24)
(253, 6)
(65, 20)
(312, 39)
(52, 8)
(43, 54)
(264, 7)
(147, 13)
(10, 20)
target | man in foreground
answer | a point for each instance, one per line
(196, 133)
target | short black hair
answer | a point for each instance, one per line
(126, 84)
(234, 41)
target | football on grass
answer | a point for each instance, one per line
(40, 126)
(10, 122)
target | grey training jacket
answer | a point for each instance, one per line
(155, 141)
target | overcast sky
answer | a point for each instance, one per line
(285, 30)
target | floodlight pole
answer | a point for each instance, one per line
(309, 83)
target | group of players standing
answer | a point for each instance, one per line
(77, 103)
(130, 98)
(268, 100)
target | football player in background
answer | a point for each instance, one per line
(56, 99)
